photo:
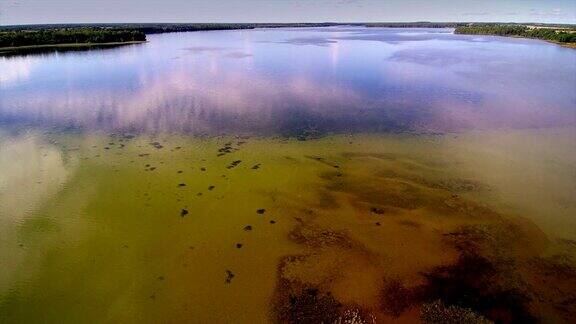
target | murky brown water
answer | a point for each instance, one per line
(120, 201)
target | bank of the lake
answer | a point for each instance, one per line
(62, 38)
(8, 51)
(564, 36)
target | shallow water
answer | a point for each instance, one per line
(289, 175)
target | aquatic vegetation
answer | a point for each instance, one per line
(364, 234)
(233, 164)
(473, 282)
(485, 281)
(438, 313)
(299, 303)
(395, 298)
(229, 276)
(310, 306)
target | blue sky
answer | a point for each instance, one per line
(77, 11)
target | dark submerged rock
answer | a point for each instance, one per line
(229, 276)
(234, 164)
(472, 283)
(226, 149)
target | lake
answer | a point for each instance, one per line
(337, 174)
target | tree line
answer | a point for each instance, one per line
(16, 38)
(154, 28)
(551, 34)
(421, 24)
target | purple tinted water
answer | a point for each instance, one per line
(289, 81)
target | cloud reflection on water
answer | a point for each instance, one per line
(259, 82)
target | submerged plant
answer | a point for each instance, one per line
(438, 313)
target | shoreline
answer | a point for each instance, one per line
(566, 45)
(565, 37)
(31, 48)
(18, 49)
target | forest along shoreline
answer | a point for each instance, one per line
(26, 40)
(20, 50)
(561, 35)
(21, 39)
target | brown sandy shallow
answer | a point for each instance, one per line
(437, 256)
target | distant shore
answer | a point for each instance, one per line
(23, 39)
(153, 28)
(561, 35)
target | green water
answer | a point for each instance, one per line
(93, 226)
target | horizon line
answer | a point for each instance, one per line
(323, 22)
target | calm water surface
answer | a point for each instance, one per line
(314, 175)
(293, 80)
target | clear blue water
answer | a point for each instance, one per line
(289, 81)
